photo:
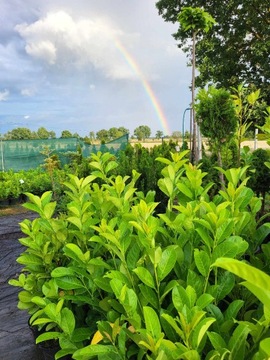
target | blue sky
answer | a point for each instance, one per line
(60, 67)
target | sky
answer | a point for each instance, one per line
(88, 65)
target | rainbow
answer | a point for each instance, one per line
(149, 91)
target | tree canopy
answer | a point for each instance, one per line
(237, 48)
(142, 132)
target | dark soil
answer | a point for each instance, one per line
(16, 338)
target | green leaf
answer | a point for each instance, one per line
(133, 255)
(265, 348)
(201, 330)
(62, 271)
(202, 261)
(149, 295)
(166, 186)
(167, 262)
(204, 300)
(74, 252)
(224, 230)
(49, 335)
(206, 238)
(145, 276)
(231, 247)
(185, 190)
(180, 298)
(256, 279)
(237, 343)
(69, 283)
(225, 285)
(27, 259)
(152, 323)
(49, 210)
(75, 221)
(233, 309)
(216, 340)
(67, 321)
(91, 351)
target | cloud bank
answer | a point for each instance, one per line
(59, 40)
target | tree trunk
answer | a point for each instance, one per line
(194, 154)
(220, 164)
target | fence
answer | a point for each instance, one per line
(29, 154)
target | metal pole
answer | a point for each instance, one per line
(256, 139)
(2, 156)
(183, 124)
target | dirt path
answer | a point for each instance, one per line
(16, 339)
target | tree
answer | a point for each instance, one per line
(177, 135)
(114, 133)
(194, 21)
(43, 133)
(123, 130)
(66, 134)
(142, 132)
(92, 135)
(159, 134)
(103, 135)
(217, 118)
(19, 133)
(238, 50)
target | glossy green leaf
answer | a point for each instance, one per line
(145, 276)
(237, 343)
(180, 298)
(167, 262)
(216, 340)
(265, 348)
(225, 230)
(231, 247)
(225, 285)
(201, 330)
(92, 351)
(49, 335)
(67, 321)
(204, 300)
(202, 261)
(152, 323)
(69, 283)
(256, 279)
(62, 271)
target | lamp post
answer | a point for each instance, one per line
(2, 153)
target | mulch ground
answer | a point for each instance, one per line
(16, 339)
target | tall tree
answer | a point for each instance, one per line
(142, 132)
(159, 134)
(238, 50)
(193, 21)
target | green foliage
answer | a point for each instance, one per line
(236, 51)
(195, 20)
(216, 114)
(142, 132)
(116, 278)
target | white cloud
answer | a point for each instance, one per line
(28, 92)
(4, 95)
(60, 40)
